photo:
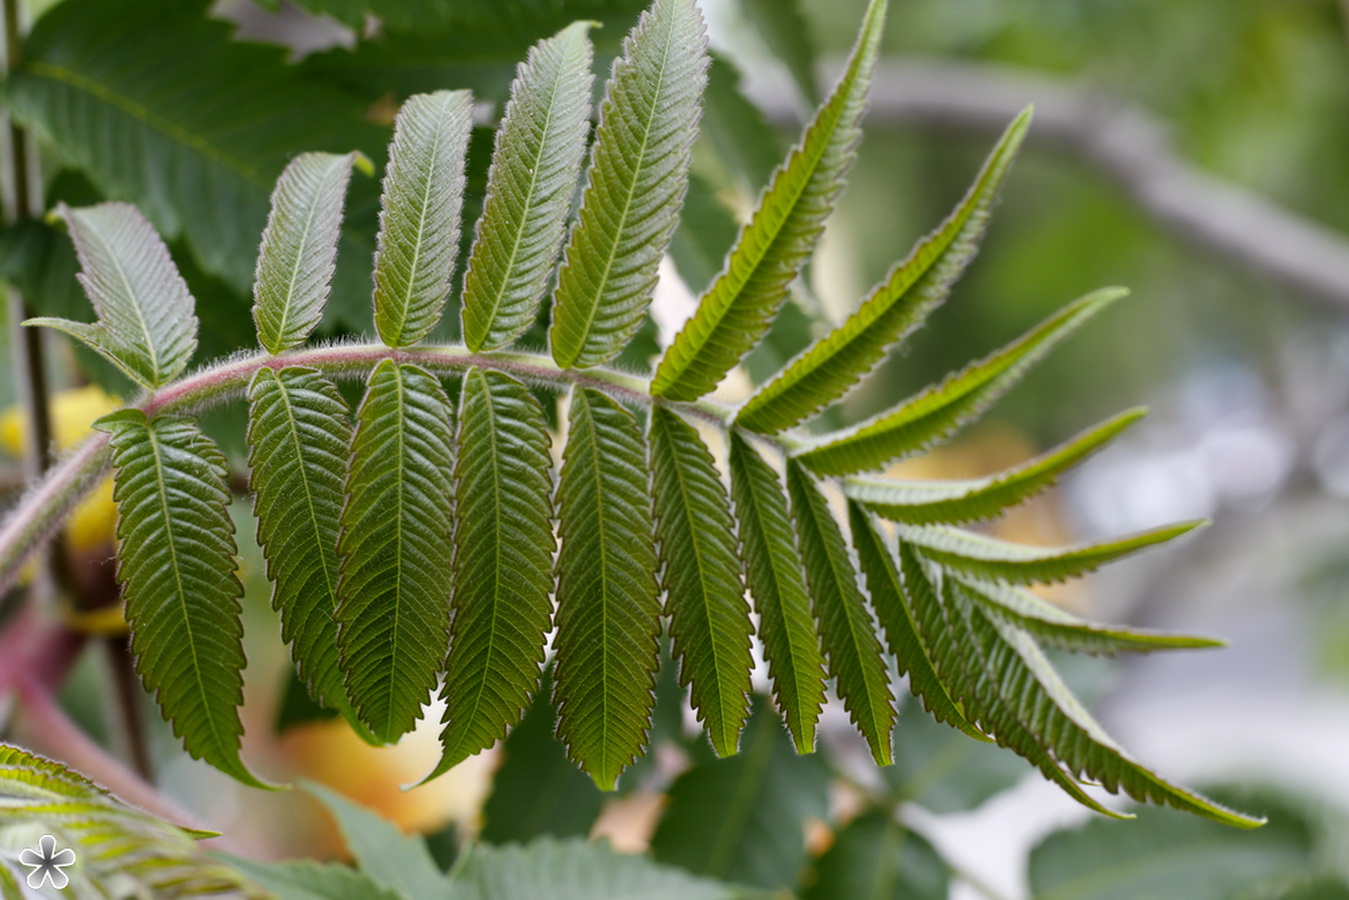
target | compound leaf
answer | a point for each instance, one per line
(395, 549)
(705, 596)
(535, 167)
(419, 214)
(608, 614)
(299, 434)
(897, 306)
(939, 411)
(735, 312)
(176, 568)
(846, 627)
(635, 184)
(298, 255)
(953, 502)
(504, 573)
(146, 326)
(777, 584)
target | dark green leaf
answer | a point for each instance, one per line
(396, 862)
(608, 614)
(705, 596)
(877, 858)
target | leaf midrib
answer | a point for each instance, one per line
(95, 233)
(288, 304)
(405, 305)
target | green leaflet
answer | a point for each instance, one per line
(961, 666)
(299, 435)
(505, 563)
(298, 255)
(397, 862)
(952, 502)
(777, 584)
(395, 549)
(176, 568)
(896, 306)
(635, 185)
(146, 323)
(740, 819)
(305, 879)
(735, 312)
(937, 412)
(419, 214)
(986, 557)
(846, 628)
(116, 843)
(608, 615)
(1035, 694)
(1059, 628)
(535, 166)
(875, 856)
(705, 596)
(888, 593)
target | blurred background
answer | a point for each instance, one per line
(1196, 152)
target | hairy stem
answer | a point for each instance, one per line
(42, 509)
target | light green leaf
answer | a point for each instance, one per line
(298, 255)
(536, 790)
(635, 185)
(705, 596)
(309, 880)
(608, 614)
(961, 666)
(1040, 700)
(953, 502)
(939, 411)
(299, 435)
(1062, 629)
(987, 557)
(419, 214)
(847, 630)
(897, 306)
(395, 549)
(775, 244)
(901, 632)
(577, 870)
(176, 567)
(535, 167)
(777, 584)
(743, 819)
(116, 845)
(146, 323)
(504, 575)
(875, 857)
(396, 862)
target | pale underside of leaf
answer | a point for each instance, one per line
(298, 255)
(299, 435)
(888, 588)
(504, 571)
(635, 185)
(146, 324)
(176, 568)
(395, 548)
(955, 502)
(987, 557)
(776, 580)
(768, 255)
(847, 630)
(1059, 628)
(705, 596)
(608, 613)
(939, 411)
(419, 215)
(837, 361)
(535, 167)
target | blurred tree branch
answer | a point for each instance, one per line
(1123, 140)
